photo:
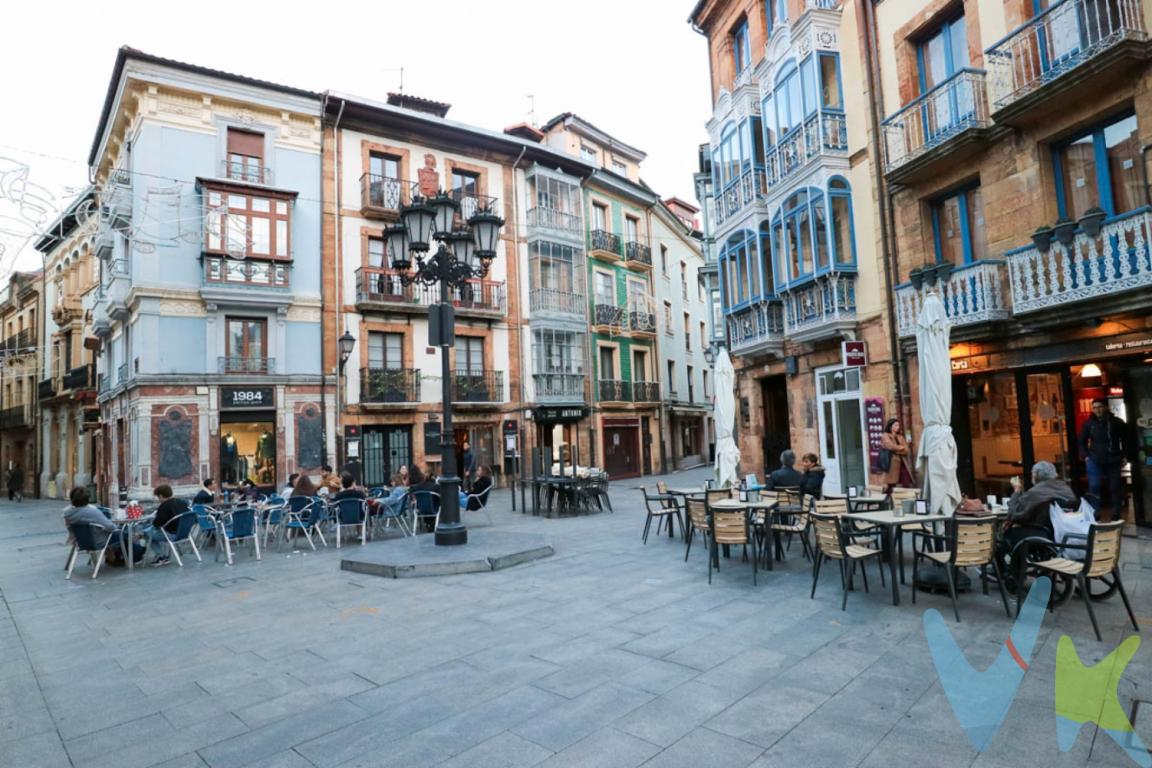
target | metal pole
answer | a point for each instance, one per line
(449, 530)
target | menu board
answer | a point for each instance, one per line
(874, 423)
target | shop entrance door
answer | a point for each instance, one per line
(777, 434)
(1138, 389)
(385, 450)
(622, 451)
(841, 417)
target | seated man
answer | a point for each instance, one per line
(813, 482)
(205, 495)
(481, 484)
(82, 511)
(1028, 511)
(786, 476)
(348, 489)
(165, 521)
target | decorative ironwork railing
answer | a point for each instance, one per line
(559, 387)
(974, 293)
(389, 385)
(952, 107)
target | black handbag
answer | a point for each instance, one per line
(884, 460)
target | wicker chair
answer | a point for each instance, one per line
(1102, 558)
(970, 543)
(833, 542)
(727, 527)
(697, 522)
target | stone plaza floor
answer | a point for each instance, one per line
(609, 653)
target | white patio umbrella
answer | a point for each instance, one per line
(937, 454)
(724, 412)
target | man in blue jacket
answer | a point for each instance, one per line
(1102, 446)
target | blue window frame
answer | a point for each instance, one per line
(741, 46)
(768, 110)
(1099, 168)
(741, 263)
(958, 229)
(769, 14)
(942, 54)
(831, 89)
(808, 85)
(789, 106)
(841, 229)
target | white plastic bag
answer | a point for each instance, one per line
(1073, 524)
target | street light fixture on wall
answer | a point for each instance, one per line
(347, 343)
(459, 255)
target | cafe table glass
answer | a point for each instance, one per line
(890, 523)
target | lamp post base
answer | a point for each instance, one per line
(452, 535)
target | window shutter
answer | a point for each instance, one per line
(245, 143)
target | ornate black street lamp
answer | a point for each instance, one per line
(460, 255)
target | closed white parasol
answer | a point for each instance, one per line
(724, 412)
(937, 454)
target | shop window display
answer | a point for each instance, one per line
(248, 452)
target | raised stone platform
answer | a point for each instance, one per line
(405, 558)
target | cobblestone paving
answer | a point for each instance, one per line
(610, 653)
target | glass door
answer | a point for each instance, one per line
(1049, 428)
(841, 425)
(1138, 391)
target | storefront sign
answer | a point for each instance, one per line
(559, 414)
(874, 423)
(1075, 350)
(247, 398)
(855, 353)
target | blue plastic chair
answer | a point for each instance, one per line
(204, 516)
(188, 523)
(236, 526)
(424, 505)
(307, 515)
(395, 510)
(85, 539)
(351, 513)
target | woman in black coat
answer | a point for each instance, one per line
(813, 482)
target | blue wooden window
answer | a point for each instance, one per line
(1099, 168)
(942, 54)
(958, 227)
(789, 106)
(831, 90)
(742, 271)
(768, 110)
(840, 223)
(808, 85)
(742, 46)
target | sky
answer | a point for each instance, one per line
(634, 68)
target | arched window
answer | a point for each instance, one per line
(840, 206)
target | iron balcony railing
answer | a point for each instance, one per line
(826, 303)
(552, 218)
(46, 389)
(645, 391)
(79, 377)
(825, 133)
(472, 204)
(602, 240)
(614, 390)
(638, 252)
(116, 197)
(956, 105)
(122, 373)
(478, 387)
(608, 314)
(246, 365)
(14, 416)
(22, 343)
(251, 174)
(1057, 41)
(553, 300)
(386, 194)
(246, 273)
(755, 325)
(389, 385)
(974, 293)
(559, 387)
(641, 321)
(480, 296)
(1117, 261)
(379, 285)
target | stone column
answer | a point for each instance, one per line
(82, 477)
(63, 477)
(47, 424)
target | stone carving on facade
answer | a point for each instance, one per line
(172, 438)
(309, 438)
(428, 176)
(826, 39)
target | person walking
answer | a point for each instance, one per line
(16, 483)
(1102, 447)
(899, 474)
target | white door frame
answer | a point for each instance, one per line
(832, 477)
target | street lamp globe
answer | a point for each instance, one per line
(397, 236)
(347, 343)
(463, 248)
(486, 232)
(418, 219)
(445, 209)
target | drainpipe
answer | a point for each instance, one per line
(888, 249)
(337, 273)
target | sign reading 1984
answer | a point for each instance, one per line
(247, 397)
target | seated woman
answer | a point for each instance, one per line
(480, 485)
(812, 483)
(303, 487)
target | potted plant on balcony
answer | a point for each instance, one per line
(916, 277)
(944, 271)
(931, 273)
(1042, 238)
(1092, 220)
(1065, 231)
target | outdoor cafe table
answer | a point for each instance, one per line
(890, 523)
(127, 528)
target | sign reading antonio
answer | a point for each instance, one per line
(247, 398)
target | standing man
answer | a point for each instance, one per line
(469, 464)
(1102, 446)
(16, 483)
